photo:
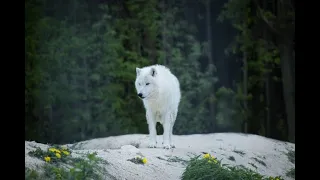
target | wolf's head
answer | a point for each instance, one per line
(146, 84)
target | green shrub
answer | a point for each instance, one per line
(210, 168)
(60, 165)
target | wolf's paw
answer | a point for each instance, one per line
(166, 146)
(152, 145)
(172, 146)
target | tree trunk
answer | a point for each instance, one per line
(164, 36)
(267, 83)
(286, 58)
(86, 109)
(268, 97)
(286, 38)
(245, 90)
(211, 103)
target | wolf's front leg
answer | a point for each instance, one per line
(170, 136)
(152, 130)
(173, 116)
(166, 131)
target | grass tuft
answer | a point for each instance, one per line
(291, 173)
(138, 160)
(291, 156)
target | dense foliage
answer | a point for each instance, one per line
(81, 56)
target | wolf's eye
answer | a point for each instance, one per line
(139, 84)
(147, 84)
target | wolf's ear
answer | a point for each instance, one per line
(153, 72)
(138, 71)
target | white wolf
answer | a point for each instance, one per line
(159, 90)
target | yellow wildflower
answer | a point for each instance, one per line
(66, 152)
(206, 155)
(144, 160)
(54, 150)
(215, 161)
(58, 155)
(47, 158)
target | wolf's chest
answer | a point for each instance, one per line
(156, 106)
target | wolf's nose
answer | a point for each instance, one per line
(140, 94)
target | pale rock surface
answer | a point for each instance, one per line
(169, 164)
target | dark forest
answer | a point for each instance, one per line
(235, 61)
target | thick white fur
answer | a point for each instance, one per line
(161, 95)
